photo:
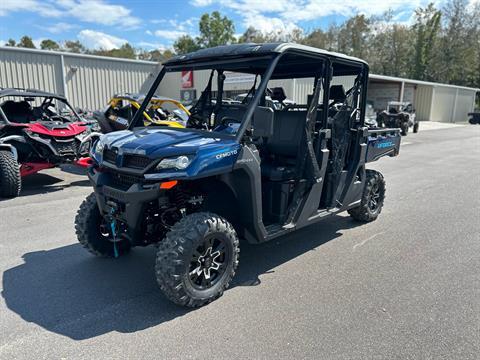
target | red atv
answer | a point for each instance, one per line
(38, 130)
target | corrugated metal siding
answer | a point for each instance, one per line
(90, 80)
(423, 102)
(32, 71)
(409, 93)
(465, 104)
(443, 104)
(381, 93)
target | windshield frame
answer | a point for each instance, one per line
(265, 77)
(266, 67)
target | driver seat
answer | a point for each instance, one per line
(278, 93)
(17, 112)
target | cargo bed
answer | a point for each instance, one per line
(382, 142)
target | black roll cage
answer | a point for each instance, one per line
(327, 74)
(46, 98)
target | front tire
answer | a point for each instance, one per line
(94, 234)
(373, 198)
(197, 259)
(10, 180)
(415, 127)
(404, 129)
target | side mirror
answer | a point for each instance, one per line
(262, 122)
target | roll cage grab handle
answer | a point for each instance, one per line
(147, 99)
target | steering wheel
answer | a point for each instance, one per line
(196, 122)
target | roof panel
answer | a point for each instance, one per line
(251, 50)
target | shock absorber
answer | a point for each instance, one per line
(179, 200)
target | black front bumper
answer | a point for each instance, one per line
(125, 203)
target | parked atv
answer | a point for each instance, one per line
(38, 130)
(370, 116)
(399, 115)
(121, 109)
(237, 171)
(474, 118)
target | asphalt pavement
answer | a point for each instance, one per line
(406, 286)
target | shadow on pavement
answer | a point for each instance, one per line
(69, 292)
(45, 183)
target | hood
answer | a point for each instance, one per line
(210, 154)
(162, 142)
(57, 129)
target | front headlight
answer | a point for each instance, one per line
(99, 146)
(179, 163)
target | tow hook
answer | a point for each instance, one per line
(183, 211)
(113, 209)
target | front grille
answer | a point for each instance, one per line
(123, 181)
(136, 161)
(110, 155)
(65, 147)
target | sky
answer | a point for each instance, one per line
(151, 24)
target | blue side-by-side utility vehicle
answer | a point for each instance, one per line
(237, 171)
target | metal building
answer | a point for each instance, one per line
(432, 101)
(87, 81)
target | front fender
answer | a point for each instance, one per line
(10, 148)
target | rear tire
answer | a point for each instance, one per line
(10, 180)
(373, 198)
(94, 235)
(197, 259)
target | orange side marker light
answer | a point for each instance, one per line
(168, 184)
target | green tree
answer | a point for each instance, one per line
(49, 45)
(317, 38)
(426, 31)
(26, 42)
(11, 42)
(389, 46)
(215, 30)
(321, 39)
(457, 58)
(155, 55)
(126, 51)
(252, 35)
(354, 36)
(74, 46)
(185, 44)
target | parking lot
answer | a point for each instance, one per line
(404, 286)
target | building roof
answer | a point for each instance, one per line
(75, 55)
(418, 82)
(250, 50)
